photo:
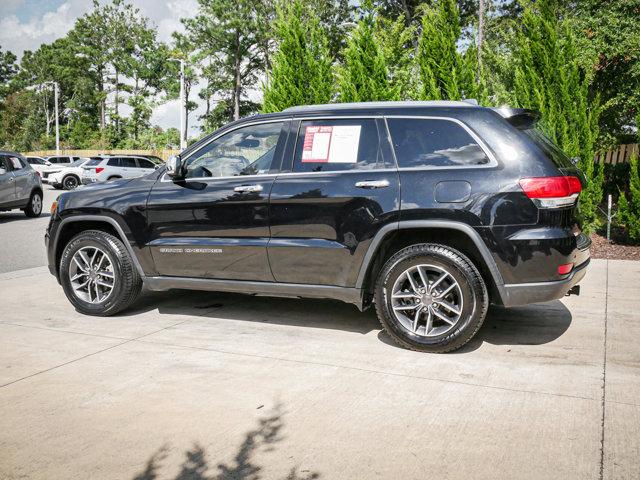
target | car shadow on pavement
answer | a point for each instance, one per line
(535, 324)
(195, 465)
(303, 312)
(15, 216)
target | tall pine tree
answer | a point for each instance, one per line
(444, 72)
(301, 71)
(364, 75)
(548, 78)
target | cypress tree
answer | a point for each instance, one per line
(302, 66)
(444, 72)
(364, 75)
(548, 78)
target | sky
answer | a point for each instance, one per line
(27, 24)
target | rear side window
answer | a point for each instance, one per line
(550, 149)
(17, 163)
(339, 144)
(35, 161)
(434, 143)
(128, 162)
(145, 163)
(114, 162)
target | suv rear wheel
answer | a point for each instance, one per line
(34, 207)
(97, 274)
(431, 298)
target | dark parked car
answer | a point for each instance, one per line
(429, 210)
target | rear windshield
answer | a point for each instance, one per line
(93, 162)
(550, 149)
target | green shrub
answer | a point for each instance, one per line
(629, 209)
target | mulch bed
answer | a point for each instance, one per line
(613, 250)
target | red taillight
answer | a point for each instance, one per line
(550, 187)
(99, 169)
(564, 269)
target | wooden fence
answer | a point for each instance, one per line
(619, 154)
(164, 154)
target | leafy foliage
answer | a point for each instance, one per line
(444, 72)
(629, 210)
(364, 76)
(302, 66)
(549, 78)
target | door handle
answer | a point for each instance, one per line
(373, 184)
(248, 188)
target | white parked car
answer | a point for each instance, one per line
(113, 168)
(56, 163)
(69, 177)
(39, 164)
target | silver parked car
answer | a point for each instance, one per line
(115, 168)
(20, 185)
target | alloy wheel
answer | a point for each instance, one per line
(427, 300)
(91, 275)
(70, 183)
(36, 204)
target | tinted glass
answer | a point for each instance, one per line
(128, 162)
(245, 151)
(433, 143)
(114, 162)
(93, 162)
(334, 145)
(550, 149)
(35, 161)
(17, 163)
(145, 163)
(4, 164)
(77, 163)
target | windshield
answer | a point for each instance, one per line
(93, 162)
(550, 149)
(77, 163)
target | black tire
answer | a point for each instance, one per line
(475, 299)
(58, 187)
(70, 182)
(113, 178)
(34, 207)
(127, 281)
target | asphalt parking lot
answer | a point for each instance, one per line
(190, 385)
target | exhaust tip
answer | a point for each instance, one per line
(575, 290)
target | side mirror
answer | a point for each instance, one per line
(174, 166)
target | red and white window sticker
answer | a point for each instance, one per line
(331, 144)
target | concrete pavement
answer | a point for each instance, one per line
(191, 385)
(22, 238)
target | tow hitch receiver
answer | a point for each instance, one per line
(575, 290)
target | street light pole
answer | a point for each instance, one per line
(55, 97)
(183, 106)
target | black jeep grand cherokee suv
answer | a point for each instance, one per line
(430, 210)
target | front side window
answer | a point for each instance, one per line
(337, 144)
(434, 143)
(245, 151)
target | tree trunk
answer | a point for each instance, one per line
(407, 13)
(481, 12)
(117, 102)
(237, 88)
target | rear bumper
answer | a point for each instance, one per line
(525, 293)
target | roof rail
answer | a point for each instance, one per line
(371, 105)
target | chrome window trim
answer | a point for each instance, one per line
(493, 161)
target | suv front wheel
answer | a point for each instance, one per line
(431, 298)
(97, 274)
